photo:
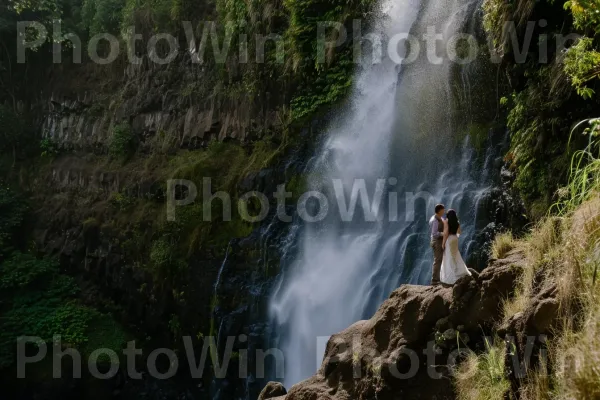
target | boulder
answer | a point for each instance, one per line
(272, 390)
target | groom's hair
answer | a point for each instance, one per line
(439, 208)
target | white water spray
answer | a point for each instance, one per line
(344, 270)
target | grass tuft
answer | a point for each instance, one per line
(482, 377)
(503, 244)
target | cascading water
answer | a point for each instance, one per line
(401, 138)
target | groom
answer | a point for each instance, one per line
(436, 225)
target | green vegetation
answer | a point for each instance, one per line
(324, 82)
(562, 253)
(482, 377)
(557, 161)
(101, 16)
(12, 215)
(122, 142)
(49, 147)
(36, 299)
(122, 202)
(584, 181)
(164, 259)
(582, 64)
(547, 98)
(503, 244)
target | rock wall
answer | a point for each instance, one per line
(181, 105)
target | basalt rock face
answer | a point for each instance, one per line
(177, 105)
(406, 350)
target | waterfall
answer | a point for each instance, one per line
(400, 131)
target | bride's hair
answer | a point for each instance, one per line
(453, 223)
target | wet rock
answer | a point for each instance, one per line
(272, 390)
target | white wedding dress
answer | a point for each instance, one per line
(453, 266)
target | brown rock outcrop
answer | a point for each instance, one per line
(402, 352)
(272, 390)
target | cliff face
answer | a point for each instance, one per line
(412, 345)
(525, 328)
(178, 105)
(105, 139)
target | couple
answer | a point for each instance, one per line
(448, 265)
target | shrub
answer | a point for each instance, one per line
(581, 65)
(49, 147)
(164, 260)
(101, 16)
(121, 201)
(122, 143)
(39, 301)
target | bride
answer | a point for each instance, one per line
(453, 266)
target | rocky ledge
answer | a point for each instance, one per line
(407, 350)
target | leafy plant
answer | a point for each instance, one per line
(37, 300)
(49, 147)
(122, 202)
(122, 142)
(42, 303)
(175, 325)
(586, 13)
(164, 260)
(101, 16)
(582, 64)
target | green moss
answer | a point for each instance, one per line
(122, 202)
(478, 134)
(226, 163)
(105, 332)
(297, 185)
(90, 223)
(165, 261)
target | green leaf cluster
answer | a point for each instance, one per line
(36, 299)
(586, 14)
(546, 98)
(101, 16)
(325, 79)
(122, 142)
(582, 64)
